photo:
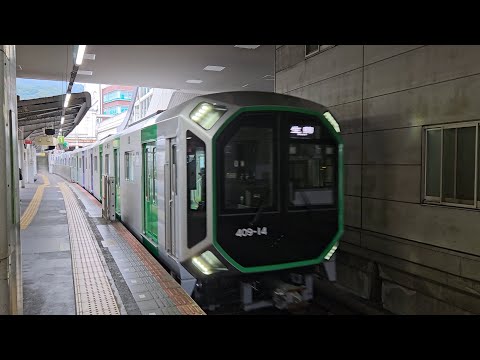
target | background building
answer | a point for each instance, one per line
(116, 99)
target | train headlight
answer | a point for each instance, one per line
(208, 263)
(330, 253)
(332, 121)
(206, 115)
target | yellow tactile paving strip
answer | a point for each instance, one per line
(184, 303)
(32, 208)
(93, 293)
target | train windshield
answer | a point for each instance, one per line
(277, 160)
(278, 195)
(311, 164)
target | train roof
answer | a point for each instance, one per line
(233, 98)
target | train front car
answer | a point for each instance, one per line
(276, 200)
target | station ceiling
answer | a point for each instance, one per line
(37, 114)
(160, 66)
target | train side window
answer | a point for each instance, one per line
(129, 166)
(196, 190)
(107, 164)
(95, 161)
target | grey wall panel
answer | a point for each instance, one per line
(334, 91)
(437, 275)
(374, 53)
(404, 301)
(470, 268)
(445, 227)
(290, 79)
(413, 252)
(351, 236)
(352, 207)
(289, 55)
(352, 179)
(392, 182)
(423, 66)
(348, 116)
(352, 148)
(332, 62)
(356, 281)
(451, 101)
(396, 147)
(445, 294)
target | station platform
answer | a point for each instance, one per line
(76, 262)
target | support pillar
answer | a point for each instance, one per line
(11, 295)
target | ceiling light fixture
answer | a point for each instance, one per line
(62, 120)
(250, 47)
(89, 56)
(245, 85)
(194, 81)
(214, 68)
(80, 52)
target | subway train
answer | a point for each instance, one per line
(238, 194)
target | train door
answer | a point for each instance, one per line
(79, 168)
(84, 168)
(116, 160)
(150, 209)
(91, 172)
(107, 166)
(101, 173)
(171, 196)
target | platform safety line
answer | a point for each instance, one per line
(93, 292)
(32, 208)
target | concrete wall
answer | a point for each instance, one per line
(410, 257)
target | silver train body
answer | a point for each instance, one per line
(178, 177)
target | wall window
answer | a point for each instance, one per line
(311, 50)
(115, 110)
(129, 156)
(315, 49)
(451, 165)
(117, 95)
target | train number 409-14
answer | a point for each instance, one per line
(251, 232)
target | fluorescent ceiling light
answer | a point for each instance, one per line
(214, 68)
(84, 72)
(80, 52)
(89, 56)
(251, 47)
(194, 81)
(245, 85)
(62, 120)
(67, 99)
(60, 130)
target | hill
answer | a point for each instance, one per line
(33, 89)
